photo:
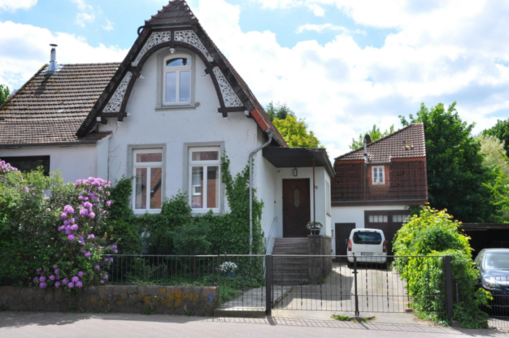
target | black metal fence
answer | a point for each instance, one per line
(498, 308)
(240, 278)
(348, 284)
(288, 282)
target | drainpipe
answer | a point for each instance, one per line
(269, 133)
(365, 165)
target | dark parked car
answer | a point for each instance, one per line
(493, 266)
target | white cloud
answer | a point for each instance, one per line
(26, 49)
(441, 51)
(83, 18)
(82, 5)
(108, 26)
(328, 27)
(12, 5)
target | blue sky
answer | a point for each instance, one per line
(343, 65)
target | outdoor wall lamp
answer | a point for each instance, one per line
(295, 173)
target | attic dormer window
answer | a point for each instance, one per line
(177, 80)
(378, 174)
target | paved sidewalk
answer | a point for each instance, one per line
(68, 325)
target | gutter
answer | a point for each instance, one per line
(269, 134)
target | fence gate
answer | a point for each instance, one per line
(332, 283)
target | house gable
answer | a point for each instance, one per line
(175, 26)
(400, 177)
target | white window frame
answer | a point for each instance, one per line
(148, 166)
(381, 167)
(177, 70)
(204, 165)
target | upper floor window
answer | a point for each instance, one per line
(378, 173)
(204, 168)
(148, 174)
(177, 80)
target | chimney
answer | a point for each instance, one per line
(367, 140)
(53, 60)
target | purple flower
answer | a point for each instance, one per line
(90, 236)
(57, 285)
(52, 278)
(38, 271)
(79, 284)
(108, 203)
(83, 212)
(68, 231)
(88, 254)
(71, 237)
(63, 215)
(70, 285)
(57, 271)
(74, 227)
(72, 220)
(75, 279)
(81, 198)
(104, 212)
(100, 188)
(82, 250)
(106, 277)
(42, 279)
(36, 279)
(79, 274)
(111, 259)
(91, 215)
(97, 267)
(65, 281)
(69, 209)
(87, 205)
(102, 282)
(106, 260)
(57, 255)
(43, 285)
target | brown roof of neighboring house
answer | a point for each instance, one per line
(178, 13)
(407, 142)
(50, 108)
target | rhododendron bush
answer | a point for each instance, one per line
(53, 234)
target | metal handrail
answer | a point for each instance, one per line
(269, 235)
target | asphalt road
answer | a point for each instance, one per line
(69, 325)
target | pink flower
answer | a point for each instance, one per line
(88, 254)
(87, 205)
(108, 203)
(90, 236)
(71, 237)
(80, 273)
(79, 284)
(74, 227)
(91, 215)
(63, 215)
(83, 212)
(69, 209)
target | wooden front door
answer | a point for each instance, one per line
(342, 234)
(296, 208)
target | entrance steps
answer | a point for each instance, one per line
(290, 270)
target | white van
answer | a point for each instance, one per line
(368, 245)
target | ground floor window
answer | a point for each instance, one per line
(148, 179)
(28, 163)
(205, 175)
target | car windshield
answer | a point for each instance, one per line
(365, 237)
(496, 260)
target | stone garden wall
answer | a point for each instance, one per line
(319, 267)
(200, 301)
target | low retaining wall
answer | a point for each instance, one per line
(200, 301)
(319, 267)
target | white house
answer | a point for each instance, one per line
(166, 115)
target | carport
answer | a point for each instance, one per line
(487, 235)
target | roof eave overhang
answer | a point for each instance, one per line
(284, 157)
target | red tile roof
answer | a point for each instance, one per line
(50, 108)
(395, 145)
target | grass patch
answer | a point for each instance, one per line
(352, 319)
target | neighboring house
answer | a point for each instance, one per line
(375, 184)
(165, 116)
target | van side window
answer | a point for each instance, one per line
(365, 237)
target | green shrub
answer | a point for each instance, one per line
(434, 234)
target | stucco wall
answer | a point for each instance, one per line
(102, 148)
(355, 214)
(320, 179)
(176, 127)
(75, 162)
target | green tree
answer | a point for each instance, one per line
(375, 134)
(454, 166)
(278, 111)
(4, 94)
(295, 133)
(494, 153)
(293, 129)
(500, 131)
